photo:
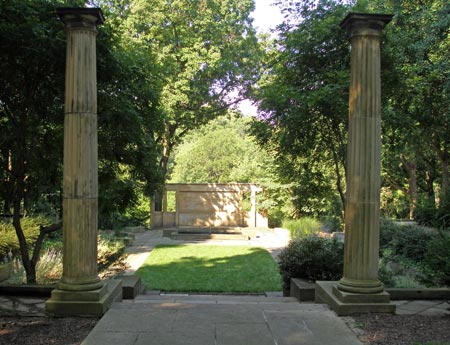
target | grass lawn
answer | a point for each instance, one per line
(203, 268)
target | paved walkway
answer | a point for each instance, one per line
(219, 320)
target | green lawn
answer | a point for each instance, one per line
(202, 268)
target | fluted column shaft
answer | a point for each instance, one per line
(80, 185)
(362, 213)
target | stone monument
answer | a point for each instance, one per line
(359, 290)
(80, 291)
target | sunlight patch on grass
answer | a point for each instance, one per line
(202, 268)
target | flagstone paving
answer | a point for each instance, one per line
(219, 320)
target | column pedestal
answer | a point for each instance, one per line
(360, 290)
(80, 291)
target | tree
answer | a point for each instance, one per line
(32, 59)
(32, 64)
(417, 94)
(304, 98)
(221, 151)
(204, 50)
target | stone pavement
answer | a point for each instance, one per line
(219, 320)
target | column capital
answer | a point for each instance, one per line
(80, 18)
(370, 24)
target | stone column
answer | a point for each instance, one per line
(360, 290)
(80, 291)
(362, 213)
(80, 186)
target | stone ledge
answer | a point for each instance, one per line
(305, 291)
(414, 294)
(26, 290)
(302, 290)
(131, 286)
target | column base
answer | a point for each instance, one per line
(347, 303)
(84, 303)
(360, 286)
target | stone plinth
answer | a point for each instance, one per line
(345, 303)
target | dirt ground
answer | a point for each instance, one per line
(44, 331)
(380, 329)
(386, 329)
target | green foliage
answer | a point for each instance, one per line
(426, 211)
(405, 240)
(303, 227)
(333, 219)
(303, 98)
(8, 237)
(429, 214)
(394, 203)
(221, 151)
(437, 258)
(203, 50)
(416, 80)
(411, 256)
(109, 249)
(400, 272)
(312, 258)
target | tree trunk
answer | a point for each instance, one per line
(18, 167)
(412, 181)
(411, 170)
(167, 146)
(30, 269)
(444, 158)
(445, 174)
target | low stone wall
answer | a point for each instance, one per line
(304, 291)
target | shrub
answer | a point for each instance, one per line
(303, 227)
(312, 258)
(437, 258)
(333, 220)
(407, 241)
(275, 218)
(426, 211)
(400, 272)
(429, 214)
(109, 250)
(8, 238)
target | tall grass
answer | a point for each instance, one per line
(303, 227)
(48, 269)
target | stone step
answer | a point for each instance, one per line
(214, 299)
(209, 231)
(200, 237)
(131, 286)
